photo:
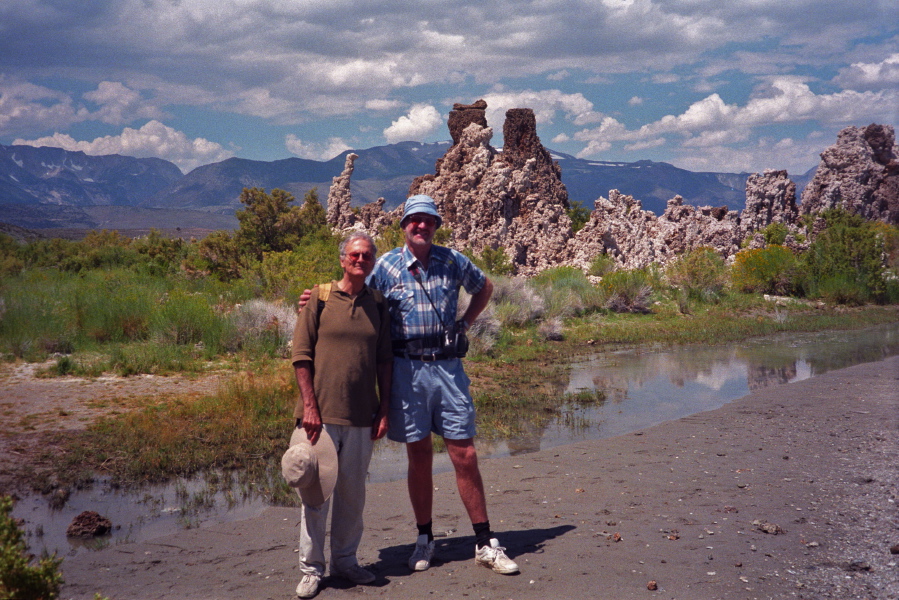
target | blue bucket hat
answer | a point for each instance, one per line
(423, 204)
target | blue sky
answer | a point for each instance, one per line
(703, 84)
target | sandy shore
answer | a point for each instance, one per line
(683, 504)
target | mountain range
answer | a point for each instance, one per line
(55, 189)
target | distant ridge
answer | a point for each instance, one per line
(45, 188)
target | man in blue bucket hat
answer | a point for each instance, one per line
(421, 283)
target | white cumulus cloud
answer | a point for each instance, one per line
(119, 104)
(870, 76)
(422, 121)
(152, 140)
(713, 123)
(315, 151)
(546, 104)
(25, 106)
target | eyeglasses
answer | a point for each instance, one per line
(360, 256)
(427, 220)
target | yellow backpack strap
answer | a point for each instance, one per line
(324, 291)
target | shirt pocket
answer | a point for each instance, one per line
(401, 300)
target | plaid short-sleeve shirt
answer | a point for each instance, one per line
(397, 274)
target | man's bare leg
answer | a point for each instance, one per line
(421, 479)
(421, 494)
(464, 457)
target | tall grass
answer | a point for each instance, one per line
(140, 322)
(245, 425)
(566, 292)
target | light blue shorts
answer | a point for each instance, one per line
(430, 397)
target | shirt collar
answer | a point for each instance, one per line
(409, 259)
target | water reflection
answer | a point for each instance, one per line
(647, 388)
(641, 388)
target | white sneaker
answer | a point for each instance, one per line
(494, 557)
(424, 552)
(308, 587)
(356, 574)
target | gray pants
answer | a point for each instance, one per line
(354, 449)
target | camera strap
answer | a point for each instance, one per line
(417, 275)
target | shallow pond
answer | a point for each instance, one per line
(641, 388)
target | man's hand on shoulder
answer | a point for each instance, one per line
(304, 298)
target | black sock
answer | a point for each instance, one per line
(426, 529)
(482, 534)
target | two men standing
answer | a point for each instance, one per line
(428, 391)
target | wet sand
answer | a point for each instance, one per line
(684, 504)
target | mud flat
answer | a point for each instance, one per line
(789, 492)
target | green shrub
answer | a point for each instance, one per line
(579, 215)
(216, 254)
(515, 301)
(701, 274)
(770, 270)
(390, 237)
(850, 250)
(601, 265)
(566, 292)
(270, 224)
(19, 579)
(114, 306)
(287, 274)
(775, 233)
(628, 291)
(188, 318)
(36, 320)
(156, 359)
(492, 261)
(841, 289)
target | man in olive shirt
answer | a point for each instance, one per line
(341, 347)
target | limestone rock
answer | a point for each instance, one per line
(860, 173)
(770, 198)
(372, 217)
(340, 214)
(686, 227)
(515, 201)
(464, 115)
(619, 227)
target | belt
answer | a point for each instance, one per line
(422, 357)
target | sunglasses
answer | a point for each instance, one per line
(360, 255)
(423, 220)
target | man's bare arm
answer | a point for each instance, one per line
(312, 420)
(478, 302)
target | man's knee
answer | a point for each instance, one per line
(420, 451)
(462, 453)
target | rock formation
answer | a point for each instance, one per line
(88, 524)
(464, 115)
(515, 201)
(372, 217)
(619, 227)
(860, 173)
(340, 214)
(770, 198)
